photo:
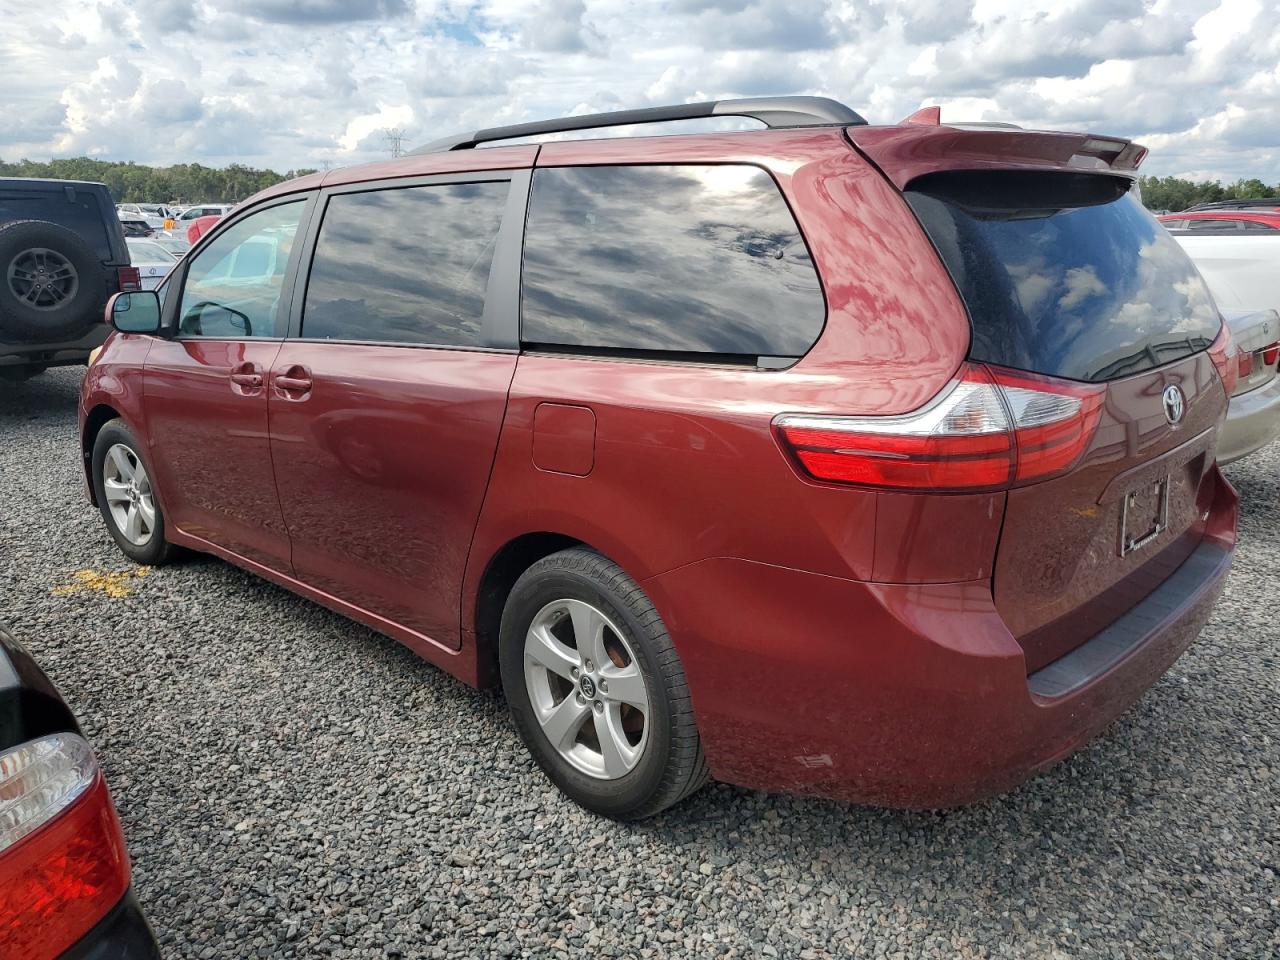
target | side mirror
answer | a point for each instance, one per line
(137, 312)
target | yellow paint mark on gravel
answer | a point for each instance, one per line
(114, 585)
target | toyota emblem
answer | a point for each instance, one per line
(1175, 404)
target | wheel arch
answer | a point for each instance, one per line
(500, 574)
(97, 417)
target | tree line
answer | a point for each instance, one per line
(1174, 193)
(193, 183)
(135, 183)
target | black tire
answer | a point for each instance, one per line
(671, 765)
(156, 550)
(49, 321)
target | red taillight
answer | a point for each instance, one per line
(1223, 354)
(64, 864)
(130, 279)
(1054, 420)
(990, 429)
(1244, 365)
(1270, 354)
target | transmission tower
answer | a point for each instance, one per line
(394, 137)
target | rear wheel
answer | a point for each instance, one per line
(126, 498)
(595, 688)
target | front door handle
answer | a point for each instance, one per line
(246, 379)
(294, 383)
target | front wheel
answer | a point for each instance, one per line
(122, 484)
(595, 687)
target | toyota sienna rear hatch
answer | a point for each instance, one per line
(1068, 279)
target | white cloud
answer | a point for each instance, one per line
(387, 117)
(291, 83)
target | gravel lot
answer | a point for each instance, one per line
(294, 785)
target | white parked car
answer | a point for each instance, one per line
(1253, 419)
(1243, 273)
(152, 260)
(154, 214)
(174, 241)
(202, 210)
(1242, 269)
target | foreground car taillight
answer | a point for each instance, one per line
(63, 863)
(990, 429)
(1223, 354)
(130, 279)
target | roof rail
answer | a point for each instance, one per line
(1266, 203)
(771, 111)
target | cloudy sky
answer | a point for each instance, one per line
(303, 83)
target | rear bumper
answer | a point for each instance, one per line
(123, 934)
(1253, 421)
(908, 695)
(62, 353)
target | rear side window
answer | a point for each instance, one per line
(82, 216)
(405, 265)
(1065, 274)
(1255, 226)
(688, 259)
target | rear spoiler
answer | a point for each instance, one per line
(921, 145)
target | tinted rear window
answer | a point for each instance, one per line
(691, 259)
(82, 216)
(1065, 274)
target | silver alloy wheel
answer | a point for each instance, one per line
(127, 488)
(42, 278)
(578, 666)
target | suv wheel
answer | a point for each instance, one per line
(122, 484)
(595, 687)
(51, 284)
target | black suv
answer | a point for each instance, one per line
(62, 254)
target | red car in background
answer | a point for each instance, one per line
(875, 462)
(199, 227)
(1228, 221)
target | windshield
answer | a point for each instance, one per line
(1065, 274)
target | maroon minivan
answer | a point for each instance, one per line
(874, 462)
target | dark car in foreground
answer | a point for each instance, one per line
(62, 254)
(868, 461)
(64, 869)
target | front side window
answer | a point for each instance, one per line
(405, 265)
(233, 285)
(685, 259)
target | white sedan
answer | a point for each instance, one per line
(1243, 274)
(152, 260)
